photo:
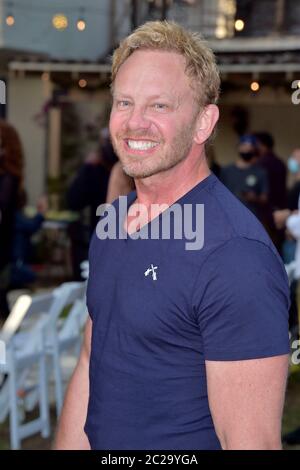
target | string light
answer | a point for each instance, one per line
(10, 19)
(221, 31)
(255, 86)
(60, 21)
(239, 25)
(81, 24)
(82, 83)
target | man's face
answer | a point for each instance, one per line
(154, 113)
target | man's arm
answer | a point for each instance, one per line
(70, 434)
(246, 400)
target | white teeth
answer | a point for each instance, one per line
(141, 144)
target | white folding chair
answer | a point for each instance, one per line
(63, 333)
(21, 357)
(26, 335)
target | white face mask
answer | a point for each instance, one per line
(293, 165)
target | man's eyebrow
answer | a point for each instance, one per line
(158, 96)
(120, 95)
(161, 96)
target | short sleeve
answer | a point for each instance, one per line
(241, 302)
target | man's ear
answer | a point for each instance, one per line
(206, 122)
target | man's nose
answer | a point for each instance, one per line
(137, 119)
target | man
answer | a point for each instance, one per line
(87, 190)
(289, 219)
(189, 348)
(276, 171)
(119, 183)
(294, 169)
(245, 179)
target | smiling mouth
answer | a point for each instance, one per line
(141, 144)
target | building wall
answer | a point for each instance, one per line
(26, 96)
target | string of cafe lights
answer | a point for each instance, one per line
(60, 21)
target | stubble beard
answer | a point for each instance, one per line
(137, 167)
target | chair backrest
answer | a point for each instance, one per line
(75, 321)
(72, 291)
(36, 311)
(68, 293)
(25, 307)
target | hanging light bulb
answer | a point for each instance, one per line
(255, 86)
(10, 19)
(81, 23)
(82, 83)
(60, 21)
(239, 25)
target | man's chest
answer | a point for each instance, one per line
(142, 290)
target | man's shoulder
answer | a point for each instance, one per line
(227, 218)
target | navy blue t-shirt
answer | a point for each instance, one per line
(159, 311)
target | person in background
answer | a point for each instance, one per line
(119, 183)
(11, 180)
(24, 228)
(293, 226)
(294, 169)
(288, 218)
(277, 172)
(88, 190)
(89, 187)
(280, 216)
(275, 168)
(245, 179)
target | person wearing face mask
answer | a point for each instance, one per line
(275, 168)
(245, 179)
(289, 220)
(281, 216)
(294, 168)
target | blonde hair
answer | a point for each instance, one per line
(169, 36)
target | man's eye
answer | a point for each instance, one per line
(160, 106)
(123, 104)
